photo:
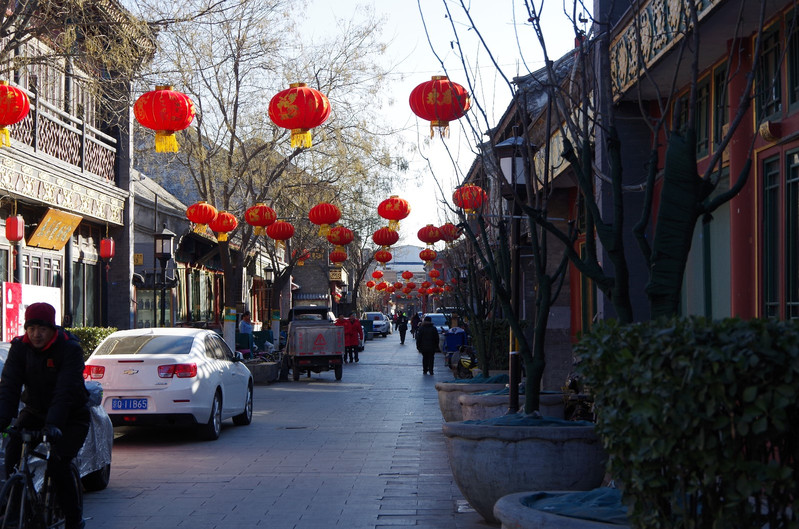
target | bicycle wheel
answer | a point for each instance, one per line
(13, 504)
(54, 514)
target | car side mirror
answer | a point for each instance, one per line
(238, 357)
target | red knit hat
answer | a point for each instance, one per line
(40, 314)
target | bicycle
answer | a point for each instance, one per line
(22, 505)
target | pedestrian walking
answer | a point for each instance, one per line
(427, 344)
(402, 327)
(353, 336)
(415, 321)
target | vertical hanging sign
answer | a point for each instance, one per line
(12, 304)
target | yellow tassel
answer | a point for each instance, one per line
(300, 138)
(199, 228)
(300, 263)
(5, 138)
(222, 237)
(279, 245)
(165, 141)
(393, 225)
(324, 229)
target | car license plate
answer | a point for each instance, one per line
(128, 404)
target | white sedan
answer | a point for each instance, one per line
(166, 376)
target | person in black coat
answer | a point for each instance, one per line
(402, 326)
(48, 362)
(427, 344)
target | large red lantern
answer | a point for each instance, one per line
(107, 248)
(280, 231)
(201, 214)
(340, 236)
(165, 111)
(377, 274)
(338, 255)
(440, 101)
(410, 285)
(383, 256)
(15, 228)
(398, 285)
(323, 215)
(260, 216)
(385, 237)
(299, 108)
(469, 197)
(429, 234)
(394, 209)
(449, 232)
(223, 224)
(427, 255)
(407, 274)
(14, 106)
(434, 273)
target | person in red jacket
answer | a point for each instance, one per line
(353, 335)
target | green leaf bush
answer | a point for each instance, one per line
(90, 337)
(700, 419)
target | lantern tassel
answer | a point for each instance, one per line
(393, 225)
(5, 137)
(165, 141)
(199, 228)
(259, 230)
(300, 138)
(222, 237)
(324, 229)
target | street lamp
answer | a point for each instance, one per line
(164, 250)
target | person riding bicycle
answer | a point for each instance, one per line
(48, 362)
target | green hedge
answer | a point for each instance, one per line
(90, 337)
(700, 419)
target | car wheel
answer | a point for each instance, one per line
(295, 371)
(245, 417)
(97, 480)
(210, 431)
(338, 370)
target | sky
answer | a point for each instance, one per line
(439, 165)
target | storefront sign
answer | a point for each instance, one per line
(55, 230)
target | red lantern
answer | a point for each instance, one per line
(440, 101)
(15, 228)
(377, 274)
(426, 284)
(370, 284)
(201, 214)
(429, 234)
(338, 255)
(434, 273)
(449, 232)
(438, 265)
(302, 258)
(383, 256)
(439, 282)
(394, 209)
(469, 197)
(260, 216)
(107, 248)
(422, 291)
(390, 289)
(381, 286)
(340, 236)
(411, 285)
(407, 274)
(454, 280)
(385, 237)
(323, 215)
(14, 106)
(299, 108)
(223, 224)
(165, 111)
(280, 231)
(398, 285)
(427, 255)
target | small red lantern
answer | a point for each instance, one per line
(422, 291)
(411, 285)
(427, 255)
(338, 255)
(259, 216)
(426, 284)
(385, 237)
(280, 231)
(340, 236)
(454, 280)
(449, 232)
(223, 224)
(201, 214)
(302, 258)
(398, 285)
(429, 234)
(370, 284)
(323, 215)
(14, 106)
(469, 197)
(434, 273)
(439, 282)
(165, 111)
(438, 265)
(299, 108)
(407, 274)
(394, 209)
(440, 101)
(107, 248)
(377, 274)
(383, 256)
(381, 286)
(15, 228)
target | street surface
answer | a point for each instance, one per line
(363, 453)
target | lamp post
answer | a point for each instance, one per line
(164, 250)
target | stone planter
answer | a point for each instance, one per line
(476, 407)
(448, 393)
(489, 461)
(514, 512)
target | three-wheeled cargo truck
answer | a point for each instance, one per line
(314, 345)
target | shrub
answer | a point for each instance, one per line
(700, 419)
(90, 337)
(496, 336)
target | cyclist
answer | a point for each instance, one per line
(48, 361)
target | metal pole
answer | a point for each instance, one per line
(163, 293)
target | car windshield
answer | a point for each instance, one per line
(147, 344)
(438, 319)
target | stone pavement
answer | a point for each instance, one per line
(363, 453)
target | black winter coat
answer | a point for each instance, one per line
(53, 380)
(427, 338)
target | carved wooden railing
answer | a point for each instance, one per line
(67, 138)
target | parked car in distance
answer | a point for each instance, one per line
(380, 322)
(94, 457)
(439, 320)
(172, 376)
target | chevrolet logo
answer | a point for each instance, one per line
(130, 371)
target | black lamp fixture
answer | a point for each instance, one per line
(510, 154)
(269, 275)
(164, 250)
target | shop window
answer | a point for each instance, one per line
(721, 107)
(792, 25)
(768, 81)
(85, 294)
(771, 192)
(702, 119)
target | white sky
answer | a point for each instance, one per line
(416, 63)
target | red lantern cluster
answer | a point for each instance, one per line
(323, 215)
(260, 216)
(470, 198)
(300, 109)
(440, 101)
(429, 234)
(14, 106)
(394, 209)
(201, 214)
(165, 111)
(223, 224)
